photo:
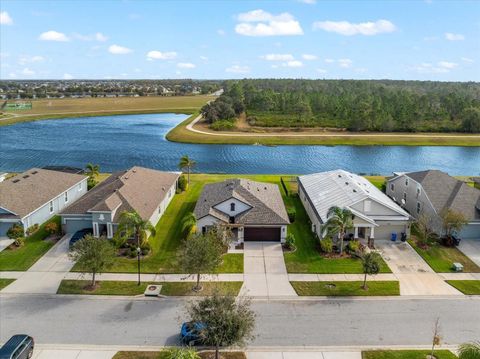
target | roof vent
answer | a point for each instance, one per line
(16, 180)
(34, 172)
(340, 176)
(26, 176)
(134, 171)
(265, 188)
(354, 190)
(163, 189)
(346, 183)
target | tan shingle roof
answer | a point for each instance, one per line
(26, 192)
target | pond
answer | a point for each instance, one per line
(118, 142)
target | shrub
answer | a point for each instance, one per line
(51, 228)
(354, 246)
(222, 125)
(91, 182)
(132, 252)
(15, 231)
(290, 241)
(292, 213)
(145, 248)
(32, 229)
(326, 245)
(182, 183)
(19, 242)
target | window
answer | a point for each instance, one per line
(418, 207)
(392, 187)
(66, 197)
(51, 206)
(232, 219)
(232, 207)
(160, 209)
(404, 197)
(418, 191)
(406, 181)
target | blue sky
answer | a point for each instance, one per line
(419, 40)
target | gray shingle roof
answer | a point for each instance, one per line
(266, 202)
(28, 191)
(445, 191)
(140, 189)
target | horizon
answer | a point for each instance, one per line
(298, 39)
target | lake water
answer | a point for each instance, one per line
(118, 142)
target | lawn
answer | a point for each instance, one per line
(5, 281)
(163, 355)
(129, 288)
(441, 258)
(346, 288)
(83, 107)
(20, 259)
(406, 354)
(468, 287)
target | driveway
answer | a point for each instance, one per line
(471, 248)
(46, 274)
(265, 274)
(414, 274)
(5, 242)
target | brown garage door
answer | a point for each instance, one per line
(262, 234)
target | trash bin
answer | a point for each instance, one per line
(393, 237)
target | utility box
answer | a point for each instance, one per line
(152, 290)
(457, 267)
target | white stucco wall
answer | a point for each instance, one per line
(163, 205)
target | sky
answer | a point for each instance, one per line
(405, 40)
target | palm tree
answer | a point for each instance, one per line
(189, 222)
(339, 220)
(469, 350)
(92, 170)
(186, 162)
(132, 225)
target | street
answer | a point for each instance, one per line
(55, 319)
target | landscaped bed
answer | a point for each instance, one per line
(163, 355)
(130, 288)
(407, 354)
(22, 258)
(441, 258)
(346, 288)
(5, 281)
(468, 287)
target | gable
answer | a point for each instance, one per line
(225, 206)
(370, 207)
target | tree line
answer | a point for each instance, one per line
(356, 105)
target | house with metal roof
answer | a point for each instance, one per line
(36, 195)
(430, 192)
(253, 210)
(375, 215)
(144, 190)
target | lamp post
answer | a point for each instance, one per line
(139, 250)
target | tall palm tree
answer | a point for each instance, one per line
(92, 170)
(339, 220)
(186, 162)
(189, 222)
(469, 350)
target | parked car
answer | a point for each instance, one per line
(20, 346)
(192, 333)
(79, 235)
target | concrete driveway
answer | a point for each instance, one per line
(414, 274)
(471, 248)
(5, 242)
(265, 274)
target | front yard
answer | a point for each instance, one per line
(406, 354)
(5, 281)
(468, 287)
(346, 288)
(441, 258)
(20, 259)
(164, 355)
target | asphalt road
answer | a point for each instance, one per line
(332, 322)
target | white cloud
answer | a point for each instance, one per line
(203, 58)
(447, 65)
(101, 37)
(309, 2)
(238, 69)
(53, 36)
(440, 67)
(221, 32)
(262, 23)
(186, 65)
(12, 75)
(5, 18)
(322, 71)
(119, 50)
(345, 63)
(309, 57)
(277, 57)
(329, 61)
(23, 60)
(454, 37)
(468, 60)
(158, 55)
(67, 77)
(28, 72)
(348, 29)
(137, 70)
(294, 63)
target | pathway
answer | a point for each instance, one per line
(46, 274)
(414, 274)
(265, 274)
(471, 248)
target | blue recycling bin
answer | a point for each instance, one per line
(393, 237)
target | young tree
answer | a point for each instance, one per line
(371, 265)
(94, 254)
(452, 221)
(92, 171)
(189, 164)
(201, 254)
(424, 229)
(189, 223)
(338, 222)
(469, 350)
(226, 321)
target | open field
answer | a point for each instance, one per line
(84, 107)
(182, 134)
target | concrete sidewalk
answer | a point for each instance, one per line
(72, 354)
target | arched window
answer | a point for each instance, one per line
(232, 207)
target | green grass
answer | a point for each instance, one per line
(468, 287)
(406, 354)
(346, 288)
(5, 281)
(129, 288)
(441, 258)
(163, 355)
(20, 259)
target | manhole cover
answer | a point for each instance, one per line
(330, 286)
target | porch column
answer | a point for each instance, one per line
(372, 232)
(356, 232)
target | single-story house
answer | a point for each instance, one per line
(144, 190)
(253, 210)
(36, 195)
(431, 192)
(375, 215)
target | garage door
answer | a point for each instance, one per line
(262, 234)
(73, 225)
